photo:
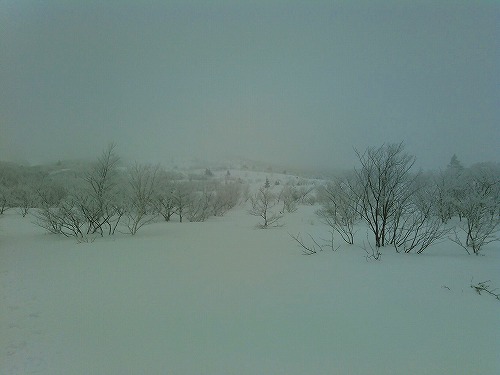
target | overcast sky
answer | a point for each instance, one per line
(290, 81)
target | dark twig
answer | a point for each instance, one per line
(484, 286)
(306, 250)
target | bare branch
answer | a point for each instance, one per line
(484, 286)
(306, 250)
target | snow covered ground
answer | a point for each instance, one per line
(222, 297)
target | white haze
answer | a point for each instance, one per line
(291, 82)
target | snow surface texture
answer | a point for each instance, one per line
(222, 297)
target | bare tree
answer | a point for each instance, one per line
(5, 198)
(18, 187)
(89, 208)
(340, 207)
(9, 178)
(290, 197)
(182, 197)
(50, 193)
(143, 183)
(305, 194)
(164, 200)
(382, 185)
(263, 204)
(24, 197)
(417, 226)
(48, 217)
(480, 206)
(200, 207)
(66, 219)
(227, 196)
(102, 182)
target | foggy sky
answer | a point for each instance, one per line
(298, 82)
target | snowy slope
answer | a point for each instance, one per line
(222, 297)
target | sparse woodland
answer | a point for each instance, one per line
(402, 208)
(106, 197)
(410, 210)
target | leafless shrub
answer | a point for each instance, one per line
(382, 185)
(143, 187)
(305, 195)
(480, 207)
(339, 208)
(416, 227)
(290, 196)
(49, 219)
(89, 208)
(201, 206)
(226, 196)
(5, 199)
(182, 196)
(165, 205)
(66, 219)
(164, 200)
(263, 204)
(477, 235)
(97, 198)
(24, 197)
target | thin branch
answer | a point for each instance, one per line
(484, 286)
(306, 250)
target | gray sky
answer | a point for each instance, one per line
(291, 81)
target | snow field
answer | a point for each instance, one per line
(222, 297)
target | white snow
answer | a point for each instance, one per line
(222, 297)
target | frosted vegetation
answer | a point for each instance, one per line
(114, 268)
(402, 208)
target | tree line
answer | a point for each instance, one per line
(106, 197)
(411, 210)
(406, 209)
